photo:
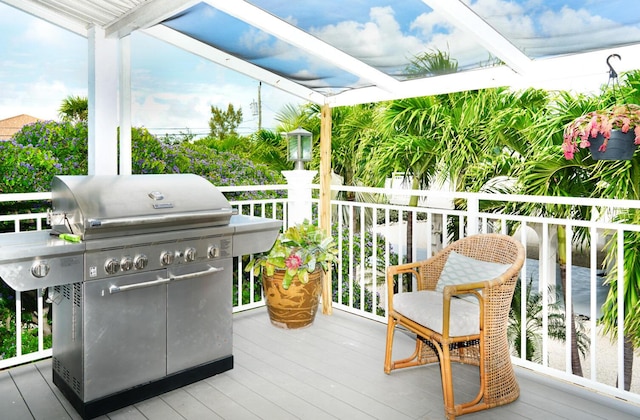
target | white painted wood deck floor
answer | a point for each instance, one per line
(332, 370)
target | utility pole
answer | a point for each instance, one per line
(259, 106)
(256, 108)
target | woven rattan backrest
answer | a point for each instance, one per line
(490, 247)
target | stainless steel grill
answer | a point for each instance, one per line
(142, 303)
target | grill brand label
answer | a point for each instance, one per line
(93, 271)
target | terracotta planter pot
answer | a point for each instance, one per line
(296, 306)
(619, 147)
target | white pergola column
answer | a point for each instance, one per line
(299, 182)
(125, 105)
(103, 103)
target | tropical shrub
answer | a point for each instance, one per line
(151, 156)
(65, 141)
(148, 154)
(8, 325)
(352, 290)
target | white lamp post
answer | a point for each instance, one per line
(299, 144)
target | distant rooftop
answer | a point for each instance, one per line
(10, 126)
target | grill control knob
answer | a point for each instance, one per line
(140, 262)
(126, 264)
(213, 252)
(112, 266)
(167, 258)
(40, 269)
(190, 254)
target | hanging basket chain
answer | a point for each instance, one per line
(613, 78)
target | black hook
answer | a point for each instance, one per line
(612, 72)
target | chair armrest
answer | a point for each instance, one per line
(395, 270)
(451, 291)
(474, 289)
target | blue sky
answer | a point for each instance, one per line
(41, 64)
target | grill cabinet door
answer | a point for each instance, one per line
(125, 333)
(199, 315)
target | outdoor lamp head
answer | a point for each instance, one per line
(299, 143)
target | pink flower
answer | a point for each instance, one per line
(293, 262)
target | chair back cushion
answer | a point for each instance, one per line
(460, 269)
(425, 308)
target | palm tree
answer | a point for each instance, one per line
(631, 287)
(621, 179)
(74, 109)
(584, 177)
(431, 63)
(547, 172)
(533, 324)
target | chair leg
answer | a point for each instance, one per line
(447, 380)
(475, 405)
(391, 326)
(413, 360)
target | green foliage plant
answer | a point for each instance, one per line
(298, 251)
(64, 141)
(224, 123)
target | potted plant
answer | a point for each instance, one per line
(292, 273)
(610, 134)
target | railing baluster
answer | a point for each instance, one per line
(393, 233)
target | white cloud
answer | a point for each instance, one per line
(508, 16)
(379, 41)
(171, 112)
(40, 99)
(44, 33)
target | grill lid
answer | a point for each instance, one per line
(99, 206)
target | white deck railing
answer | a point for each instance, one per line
(372, 236)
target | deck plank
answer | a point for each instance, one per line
(185, 402)
(45, 367)
(331, 370)
(13, 406)
(37, 394)
(220, 405)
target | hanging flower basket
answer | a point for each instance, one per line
(620, 146)
(599, 128)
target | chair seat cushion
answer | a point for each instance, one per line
(460, 269)
(425, 308)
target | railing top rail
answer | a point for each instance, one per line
(25, 196)
(237, 188)
(577, 201)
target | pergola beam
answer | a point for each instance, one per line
(290, 34)
(147, 15)
(201, 49)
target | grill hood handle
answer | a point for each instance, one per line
(156, 219)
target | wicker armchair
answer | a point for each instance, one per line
(468, 328)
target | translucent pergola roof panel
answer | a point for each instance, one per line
(235, 37)
(543, 29)
(403, 40)
(357, 51)
(387, 35)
